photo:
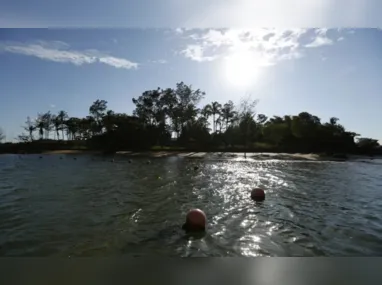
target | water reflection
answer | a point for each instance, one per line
(91, 206)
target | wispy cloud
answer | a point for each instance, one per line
(270, 45)
(179, 30)
(159, 61)
(197, 53)
(321, 39)
(61, 52)
(52, 106)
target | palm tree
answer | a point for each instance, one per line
(219, 122)
(84, 127)
(333, 121)
(228, 113)
(56, 123)
(215, 109)
(2, 136)
(30, 128)
(39, 124)
(72, 127)
(108, 120)
(212, 109)
(47, 122)
(62, 116)
(206, 111)
(97, 110)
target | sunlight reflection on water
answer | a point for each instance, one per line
(92, 207)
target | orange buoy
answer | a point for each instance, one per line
(195, 221)
(258, 194)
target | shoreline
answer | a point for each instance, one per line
(213, 155)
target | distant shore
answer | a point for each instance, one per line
(220, 155)
(70, 151)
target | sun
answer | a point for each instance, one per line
(242, 68)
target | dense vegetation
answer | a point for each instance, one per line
(170, 119)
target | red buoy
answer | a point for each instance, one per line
(195, 220)
(258, 194)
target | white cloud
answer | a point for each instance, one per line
(159, 61)
(179, 30)
(340, 39)
(270, 45)
(118, 62)
(61, 52)
(321, 31)
(52, 106)
(196, 53)
(319, 41)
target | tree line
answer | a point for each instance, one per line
(172, 118)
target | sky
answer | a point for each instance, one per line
(119, 50)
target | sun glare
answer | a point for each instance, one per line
(242, 68)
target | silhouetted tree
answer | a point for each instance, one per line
(228, 114)
(173, 116)
(247, 123)
(367, 145)
(40, 125)
(30, 127)
(2, 135)
(56, 124)
(97, 110)
(62, 116)
(47, 123)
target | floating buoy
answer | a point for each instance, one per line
(75, 158)
(40, 157)
(195, 221)
(258, 194)
(60, 157)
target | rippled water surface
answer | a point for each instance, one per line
(94, 207)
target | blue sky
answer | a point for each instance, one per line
(190, 13)
(328, 72)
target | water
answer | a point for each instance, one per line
(94, 207)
